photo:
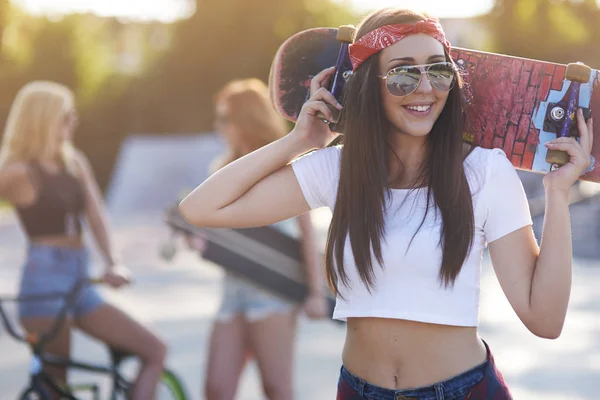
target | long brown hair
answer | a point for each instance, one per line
(250, 109)
(364, 192)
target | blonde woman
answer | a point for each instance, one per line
(52, 187)
(251, 321)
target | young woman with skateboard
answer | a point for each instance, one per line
(413, 208)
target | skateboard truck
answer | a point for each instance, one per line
(343, 70)
(560, 116)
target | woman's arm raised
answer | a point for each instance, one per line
(537, 282)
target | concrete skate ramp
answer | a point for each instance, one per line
(152, 172)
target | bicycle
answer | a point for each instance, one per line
(43, 387)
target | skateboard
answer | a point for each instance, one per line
(512, 103)
(264, 256)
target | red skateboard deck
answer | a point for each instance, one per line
(515, 104)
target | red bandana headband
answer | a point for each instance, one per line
(380, 38)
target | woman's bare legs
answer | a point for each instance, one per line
(272, 343)
(227, 356)
(115, 328)
(60, 346)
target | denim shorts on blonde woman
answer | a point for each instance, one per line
(51, 270)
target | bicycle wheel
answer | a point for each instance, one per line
(170, 387)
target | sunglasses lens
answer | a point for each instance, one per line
(402, 81)
(441, 76)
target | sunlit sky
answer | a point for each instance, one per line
(168, 10)
(163, 10)
(436, 8)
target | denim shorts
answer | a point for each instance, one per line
(483, 382)
(50, 270)
(255, 304)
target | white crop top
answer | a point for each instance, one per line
(408, 287)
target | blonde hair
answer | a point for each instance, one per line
(250, 109)
(35, 111)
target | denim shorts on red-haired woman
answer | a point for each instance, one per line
(483, 382)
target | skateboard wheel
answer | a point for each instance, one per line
(578, 72)
(346, 33)
(557, 157)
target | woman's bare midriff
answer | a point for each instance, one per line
(74, 242)
(401, 354)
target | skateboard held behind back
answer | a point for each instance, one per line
(264, 256)
(512, 103)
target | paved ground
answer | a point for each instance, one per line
(179, 298)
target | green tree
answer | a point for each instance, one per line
(557, 31)
(224, 40)
(4, 12)
(73, 51)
